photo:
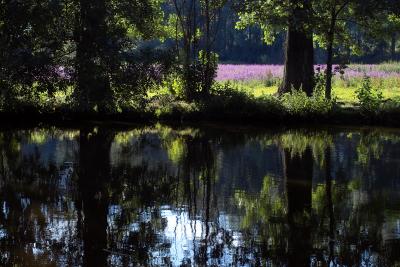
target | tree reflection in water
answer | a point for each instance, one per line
(94, 174)
(299, 173)
(194, 197)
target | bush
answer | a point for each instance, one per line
(227, 99)
(199, 75)
(166, 105)
(370, 98)
(391, 106)
(298, 103)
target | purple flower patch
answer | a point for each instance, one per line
(229, 72)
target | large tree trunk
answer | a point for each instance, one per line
(299, 62)
(93, 80)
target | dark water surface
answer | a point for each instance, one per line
(162, 196)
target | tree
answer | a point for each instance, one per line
(35, 42)
(294, 16)
(247, 45)
(92, 46)
(387, 31)
(108, 33)
(299, 59)
(211, 9)
(197, 25)
(328, 14)
(186, 28)
(94, 88)
(394, 28)
(335, 22)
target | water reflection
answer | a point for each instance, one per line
(185, 196)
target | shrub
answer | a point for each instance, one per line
(166, 105)
(370, 98)
(298, 103)
(199, 76)
(391, 105)
(228, 99)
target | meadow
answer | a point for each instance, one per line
(262, 80)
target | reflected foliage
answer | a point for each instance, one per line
(160, 195)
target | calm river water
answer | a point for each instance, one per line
(210, 196)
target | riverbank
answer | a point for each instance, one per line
(242, 94)
(267, 116)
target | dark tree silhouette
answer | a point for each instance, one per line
(298, 171)
(92, 48)
(94, 172)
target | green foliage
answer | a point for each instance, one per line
(35, 42)
(338, 14)
(391, 105)
(140, 19)
(369, 145)
(370, 98)
(228, 99)
(298, 103)
(264, 207)
(296, 142)
(52, 46)
(164, 106)
(270, 16)
(199, 76)
(172, 84)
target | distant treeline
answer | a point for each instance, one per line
(247, 46)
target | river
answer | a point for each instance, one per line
(195, 196)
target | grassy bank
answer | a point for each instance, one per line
(344, 91)
(357, 101)
(224, 105)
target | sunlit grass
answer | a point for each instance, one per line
(343, 90)
(263, 80)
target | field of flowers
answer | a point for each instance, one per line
(261, 72)
(248, 72)
(259, 80)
